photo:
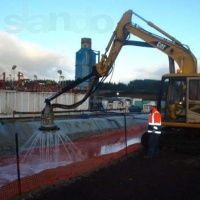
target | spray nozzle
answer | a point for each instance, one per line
(47, 120)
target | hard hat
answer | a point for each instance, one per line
(152, 103)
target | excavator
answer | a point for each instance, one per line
(179, 95)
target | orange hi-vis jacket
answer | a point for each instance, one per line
(154, 123)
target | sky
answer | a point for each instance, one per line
(39, 43)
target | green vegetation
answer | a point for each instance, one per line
(146, 86)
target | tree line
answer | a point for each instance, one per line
(139, 86)
(146, 86)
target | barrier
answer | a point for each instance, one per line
(44, 165)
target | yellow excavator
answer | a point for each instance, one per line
(179, 95)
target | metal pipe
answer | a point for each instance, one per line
(158, 29)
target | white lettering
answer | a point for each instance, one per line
(37, 23)
(161, 46)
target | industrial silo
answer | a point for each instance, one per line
(86, 58)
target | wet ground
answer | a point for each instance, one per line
(174, 175)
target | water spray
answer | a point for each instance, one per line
(47, 120)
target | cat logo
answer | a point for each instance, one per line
(160, 45)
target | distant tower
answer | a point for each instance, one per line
(85, 60)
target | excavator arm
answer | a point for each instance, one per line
(100, 71)
(105, 66)
(117, 41)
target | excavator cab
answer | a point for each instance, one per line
(179, 100)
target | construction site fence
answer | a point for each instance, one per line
(57, 158)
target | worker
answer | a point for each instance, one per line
(154, 131)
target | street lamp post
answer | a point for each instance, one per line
(13, 81)
(35, 82)
(60, 74)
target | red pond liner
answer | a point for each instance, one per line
(91, 147)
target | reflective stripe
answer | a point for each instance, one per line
(158, 124)
(156, 132)
(155, 128)
(152, 118)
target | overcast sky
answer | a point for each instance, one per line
(39, 43)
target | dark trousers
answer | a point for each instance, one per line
(153, 149)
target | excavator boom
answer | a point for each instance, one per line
(171, 46)
(182, 55)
